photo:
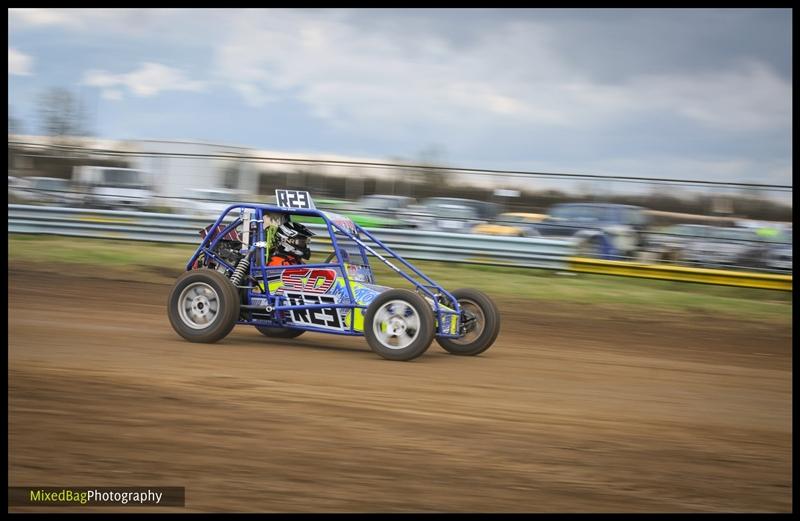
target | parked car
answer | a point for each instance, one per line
(362, 216)
(668, 243)
(714, 246)
(45, 190)
(724, 247)
(383, 205)
(603, 230)
(515, 224)
(449, 214)
(766, 248)
(779, 255)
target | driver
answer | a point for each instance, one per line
(292, 245)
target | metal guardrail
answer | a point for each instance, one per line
(411, 244)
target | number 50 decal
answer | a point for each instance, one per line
(308, 280)
(294, 199)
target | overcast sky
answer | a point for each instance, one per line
(699, 93)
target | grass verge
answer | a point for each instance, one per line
(161, 263)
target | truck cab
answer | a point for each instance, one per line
(113, 188)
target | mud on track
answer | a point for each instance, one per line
(575, 408)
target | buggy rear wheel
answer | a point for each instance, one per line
(203, 306)
(484, 326)
(399, 325)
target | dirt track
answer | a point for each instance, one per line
(574, 409)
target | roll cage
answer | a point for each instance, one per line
(271, 308)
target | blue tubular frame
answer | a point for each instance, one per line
(207, 250)
(276, 301)
(431, 283)
(434, 298)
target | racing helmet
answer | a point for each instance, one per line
(292, 239)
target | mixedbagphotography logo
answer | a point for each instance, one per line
(96, 496)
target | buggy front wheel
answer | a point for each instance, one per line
(482, 324)
(399, 325)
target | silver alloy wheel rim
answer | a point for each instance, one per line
(480, 321)
(198, 305)
(396, 324)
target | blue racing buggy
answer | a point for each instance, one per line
(229, 281)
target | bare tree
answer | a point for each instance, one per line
(430, 179)
(433, 156)
(61, 114)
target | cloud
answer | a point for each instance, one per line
(44, 17)
(148, 80)
(127, 20)
(561, 87)
(178, 26)
(746, 98)
(456, 70)
(112, 94)
(19, 63)
(347, 73)
(353, 75)
(252, 95)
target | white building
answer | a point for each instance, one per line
(178, 166)
(174, 167)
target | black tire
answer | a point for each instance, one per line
(279, 332)
(487, 327)
(207, 286)
(399, 309)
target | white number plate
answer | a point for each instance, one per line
(293, 199)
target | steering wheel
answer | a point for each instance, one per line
(329, 258)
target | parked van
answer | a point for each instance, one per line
(114, 188)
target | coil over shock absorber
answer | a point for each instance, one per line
(241, 270)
